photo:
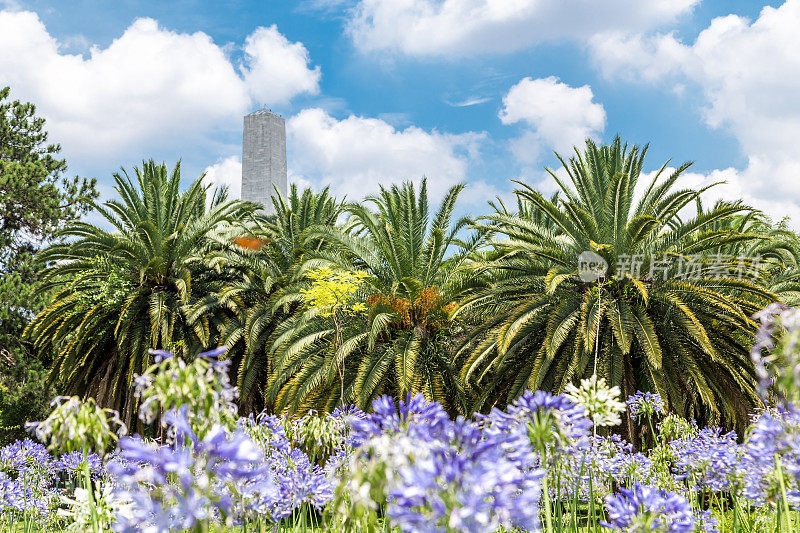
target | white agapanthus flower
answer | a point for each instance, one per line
(601, 401)
(84, 514)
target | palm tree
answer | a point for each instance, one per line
(403, 343)
(643, 319)
(122, 291)
(777, 251)
(258, 290)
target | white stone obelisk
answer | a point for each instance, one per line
(263, 158)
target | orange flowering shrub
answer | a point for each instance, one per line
(425, 309)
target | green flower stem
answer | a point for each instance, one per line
(87, 479)
(548, 514)
(784, 498)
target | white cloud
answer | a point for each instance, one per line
(357, 154)
(150, 87)
(639, 57)
(226, 173)
(469, 102)
(462, 27)
(556, 115)
(478, 193)
(747, 72)
(731, 185)
(277, 69)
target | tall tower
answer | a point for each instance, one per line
(263, 158)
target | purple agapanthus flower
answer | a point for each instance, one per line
(627, 467)
(27, 476)
(644, 508)
(177, 486)
(160, 355)
(571, 418)
(466, 484)
(706, 523)
(21, 496)
(774, 439)
(348, 411)
(711, 458)
(297, 480)
(73, 461)
(535, 423)
(594, 464)
(212, 356)
(216, 352)
(25, 455)
(415, 416)
(645, 405)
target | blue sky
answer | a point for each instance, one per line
(376, 91)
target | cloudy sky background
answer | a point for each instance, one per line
(375, 91)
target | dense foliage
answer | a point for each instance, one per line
(36, 199)
(24, 393)
(262, 283)
(120, 291)
(667, 312)
(538, 465)
(328, 303)
(401, 340)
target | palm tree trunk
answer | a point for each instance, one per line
(630, 430)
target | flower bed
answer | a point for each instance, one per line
(538, 465)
